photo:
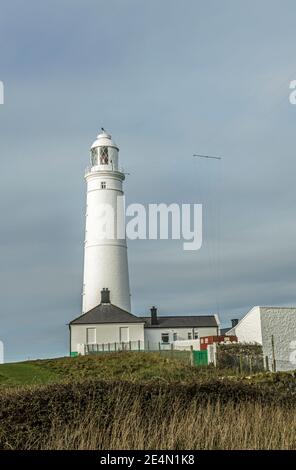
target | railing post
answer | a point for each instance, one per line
(266, 363)
(240, 364)
(191, 356)
(273, 354)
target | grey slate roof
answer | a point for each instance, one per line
(106, 313)
(182, 321)
(223, 331)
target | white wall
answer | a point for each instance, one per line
(105, 260)
(106, 333)
(153, 335)
(281, 323)
(248, 329)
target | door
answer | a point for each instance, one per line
(124, 334)
(90, 336)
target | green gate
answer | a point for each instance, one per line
(200, 358)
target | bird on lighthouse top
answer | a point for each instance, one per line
(104, 140)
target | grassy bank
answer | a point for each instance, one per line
(127, 415)
(143, 401)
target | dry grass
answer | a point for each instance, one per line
(127, 416)
(213, 426)
(129, 401)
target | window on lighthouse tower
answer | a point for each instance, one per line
(94, 157)
(104, 155)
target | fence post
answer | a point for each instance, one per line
(115, 347)
(108, 347)
(266, 363)
(159, 348)
(250, 364)
(139, 345)
(240, 364)
(172, 349)
(103, 347)
(147, 345)
(130, 345)
(191, 356)
(273, 354)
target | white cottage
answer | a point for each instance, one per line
(275, 329)
(106, 326)
(110, 328)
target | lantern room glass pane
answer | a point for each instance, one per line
(94, 157)
(104, 160)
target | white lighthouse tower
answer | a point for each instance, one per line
(105, 259)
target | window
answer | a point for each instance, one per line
(90, 335)
(189, 335)
(175, 336)
(124, 334)
(103, 185)
(165, 337)
(104, 155)
(195, 335)
(94, 157)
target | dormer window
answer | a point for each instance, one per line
(104, 156)
(94, 157)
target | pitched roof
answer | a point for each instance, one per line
(224, 331)
(106, 313)
(182, 321)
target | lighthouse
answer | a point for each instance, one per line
(105, 258)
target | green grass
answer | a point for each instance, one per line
(112, 366)
(140, 367)
(25, 373)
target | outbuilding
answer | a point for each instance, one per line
(275, 329)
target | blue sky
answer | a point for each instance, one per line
(166, 79)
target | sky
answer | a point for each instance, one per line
(167, 79)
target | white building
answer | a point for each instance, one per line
(168, 329)
(275, 329)
(106, 319)
(105, 258)
(108, 327)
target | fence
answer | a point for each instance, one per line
(241, 358)
(166, 349)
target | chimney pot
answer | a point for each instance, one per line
(234, 322)
(105, 296)
(154, 316)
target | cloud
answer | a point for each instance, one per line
(166, 81)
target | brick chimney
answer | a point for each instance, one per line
(153, 311)
(105, 296)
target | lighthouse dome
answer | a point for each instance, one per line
(104, 140)
(104, 153)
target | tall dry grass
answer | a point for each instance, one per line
(208, 426)
(124, 415)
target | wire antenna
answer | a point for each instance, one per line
(207, 156)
